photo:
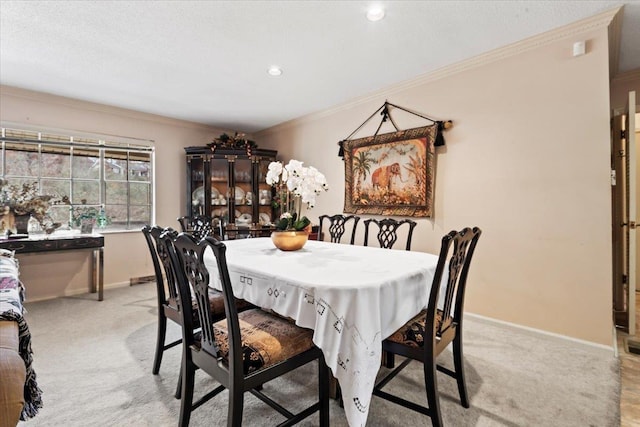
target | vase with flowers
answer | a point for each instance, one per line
(19, 203)
(296, 185)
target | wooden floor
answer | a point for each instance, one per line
(630, 377)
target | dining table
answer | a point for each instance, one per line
(353, 297)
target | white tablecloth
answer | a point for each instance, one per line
(353, 297)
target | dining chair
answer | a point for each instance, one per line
(336, 227)
(387, 236)
(167, 294)
(428, 333)
(200, 226)
(388, 231)
(243, 351)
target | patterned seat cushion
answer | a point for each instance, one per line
(216, 302)
(267, 339)
(412, 333)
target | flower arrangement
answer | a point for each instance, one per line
(295, 184)
(25, 200)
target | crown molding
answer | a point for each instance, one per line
(100, 108)
(599, 21)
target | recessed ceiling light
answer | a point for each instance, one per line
(274, 70)
(375, 13)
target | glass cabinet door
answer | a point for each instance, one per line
(243, 196)
(220, 198)
(196, 186)
(265, 194)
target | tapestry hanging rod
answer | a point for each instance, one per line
(385, 112)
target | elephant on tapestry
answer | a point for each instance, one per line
(383, 176)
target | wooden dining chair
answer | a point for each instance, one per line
(425, 336)
(167, 294)
(200, 226)
(243, 351)
(387, 236)
(336, 227)
(388, 231)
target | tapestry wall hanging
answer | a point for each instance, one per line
(391, 174)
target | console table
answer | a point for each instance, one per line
(65, 242)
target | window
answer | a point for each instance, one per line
(114, 176)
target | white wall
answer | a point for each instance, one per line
(527, 161)
(126, 254)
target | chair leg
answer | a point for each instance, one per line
(236, 404)
(323, 391)
(458, 363)
(431, 383)
(389, 359)
(162, 330)
(178, 394)
(187, 374)
(334, 387)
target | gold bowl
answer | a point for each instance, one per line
(289, 240)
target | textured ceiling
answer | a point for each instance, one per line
(206, 61)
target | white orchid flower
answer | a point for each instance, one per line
(273, 175)
(296, 184)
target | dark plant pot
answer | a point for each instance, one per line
(22, 223)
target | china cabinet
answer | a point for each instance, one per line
(229, 186)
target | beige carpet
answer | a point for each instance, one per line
(93, 361)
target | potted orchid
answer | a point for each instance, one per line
(295, 185)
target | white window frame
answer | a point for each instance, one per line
(92, 142)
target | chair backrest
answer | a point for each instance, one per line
(187, 254)
(456, 260)
(337, 227)
(388, 231)
(200, 226)
(161, 262)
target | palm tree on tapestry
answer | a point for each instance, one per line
(417, 168)
(362, 165)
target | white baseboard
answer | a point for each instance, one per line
(74, 292)
(118, 285)
(599, 348)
